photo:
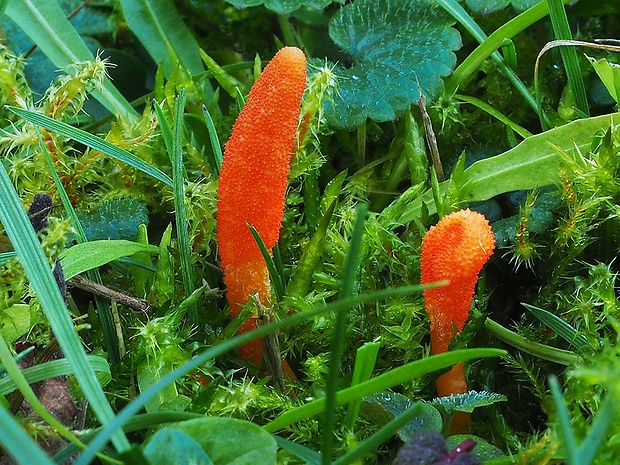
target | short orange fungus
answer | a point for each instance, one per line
(253, 181)
(455, 250)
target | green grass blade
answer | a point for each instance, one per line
(309, 456)
(490, 49)
(382, 382)
(47, 25)
(103, 307)
(365, 360)
(564, 423)
(349, 277)
(560, 327)
(215, 157)
(494, 113)
(274, 275)
(91, 141)
(55, 368)
(598, 431)
(383, 435)
(180, 212)
(159, 27)
(561, 29)
(164, 127)
(563, 357)
(18, 443)
(24, 240)
(138, 403)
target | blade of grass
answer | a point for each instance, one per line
(349, 277)
(597, 432)
(215, 157)
(561, 29)
(382, 382)
(47, 25)
(564, 423)
(563, 357)
(180, 212)
(490, 49)
(26, 244)
(55, 368)
(365, 360)
(494, 113)
(164, 127)
(560, 327)
(138, 403)
(381, 436)
(274, 276)
(91, 141)
(309, 456)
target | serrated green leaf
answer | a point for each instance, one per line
(114, 219)
(484, 7)
(468, 401)
(282, 7)
(89, 255)
(391, 42)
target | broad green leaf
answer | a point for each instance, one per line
(228, 441)
(161, 30)
(391, 43)
(60, 367)
(172, 447)
(533, 163)
(468, 401)
(89, 255)
(46, 24)
(15, 321)
(609, 74)
(282, 7)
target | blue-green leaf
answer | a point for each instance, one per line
(468, 401)
(172, 447)
(391, 43)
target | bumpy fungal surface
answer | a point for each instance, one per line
(455, 249)
(254, 176)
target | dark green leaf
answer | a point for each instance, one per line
(114, 219)
(282, 7)
(172, 447)
(229, 441)
(391, 43)
(484, 7)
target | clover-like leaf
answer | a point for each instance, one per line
(391, 43)
(468, 401)
(282, 7)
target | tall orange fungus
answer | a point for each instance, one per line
(455, 249)
(253, 181)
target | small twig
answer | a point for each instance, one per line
(429, 134)
(134, 303)
(271, 345)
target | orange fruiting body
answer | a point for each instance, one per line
(253, 181)
(455, 249)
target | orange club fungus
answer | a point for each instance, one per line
(454, 250)
(253, 182)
